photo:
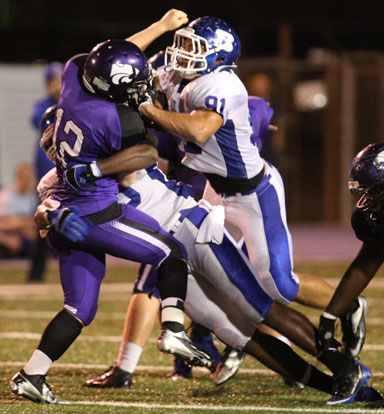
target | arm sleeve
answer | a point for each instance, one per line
(132, 128)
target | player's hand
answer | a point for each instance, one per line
(325, 336)
(152, 97)
(67, 222)
(173, 19)
(81, 175)
(46, 143)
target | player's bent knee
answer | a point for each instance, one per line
(86, 316)
(287, 286)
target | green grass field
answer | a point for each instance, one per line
(25, 309)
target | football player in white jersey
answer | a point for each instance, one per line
(208, 109)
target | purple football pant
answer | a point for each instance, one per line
(133, 236)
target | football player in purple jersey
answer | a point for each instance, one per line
(98, 135)
(367, 180)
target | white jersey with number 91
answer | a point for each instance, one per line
(230, 152)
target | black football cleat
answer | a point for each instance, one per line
(34, 388)
(349, 384)
(113, 377)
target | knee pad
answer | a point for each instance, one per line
(172, 278)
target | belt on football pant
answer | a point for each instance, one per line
(112, 212)
(231, 186)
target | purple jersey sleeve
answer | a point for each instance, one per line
(90, 129)
(367, 229)
(260, 114)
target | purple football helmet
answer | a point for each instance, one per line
(367, 176)
(116, 70)
(48, 118)
(46, 142)
(205, 45)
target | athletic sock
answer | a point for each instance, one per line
(38, 364)
(172, 314)
(129, 356)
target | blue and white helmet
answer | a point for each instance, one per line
(206, 45)
(367, 176)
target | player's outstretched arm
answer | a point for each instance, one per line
(130, 159)
(172, 20)
(197, 126)
(356, 278)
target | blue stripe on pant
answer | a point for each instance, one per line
(240, 274)
(278, 244)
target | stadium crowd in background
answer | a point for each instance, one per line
(18, 202)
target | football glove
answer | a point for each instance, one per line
(153, 97)
(67, 222)
(325, 336)
(81, 175)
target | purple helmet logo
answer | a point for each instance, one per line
(123, 73)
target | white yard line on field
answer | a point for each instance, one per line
(117, 316)
(223, 408)
(168, 368)
(110, 338)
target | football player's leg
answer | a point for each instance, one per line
(142, 312)
(81, 274)
(297, 328)
(135, 236)
(205, 303)
(228, 269)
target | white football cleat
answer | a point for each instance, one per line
(178, 343)
(228, 366)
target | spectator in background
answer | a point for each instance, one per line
(52, 78)
(17, 206)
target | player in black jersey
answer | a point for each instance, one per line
(366, 180)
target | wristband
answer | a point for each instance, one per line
(328, 315)
(96, 172)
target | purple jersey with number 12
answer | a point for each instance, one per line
(89, 129)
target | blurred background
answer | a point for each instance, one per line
(320, 64)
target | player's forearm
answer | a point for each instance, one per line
(144, 38)
(130, 159)
(41, 216)
(172, 20)
(356, 278)
(191, 127)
